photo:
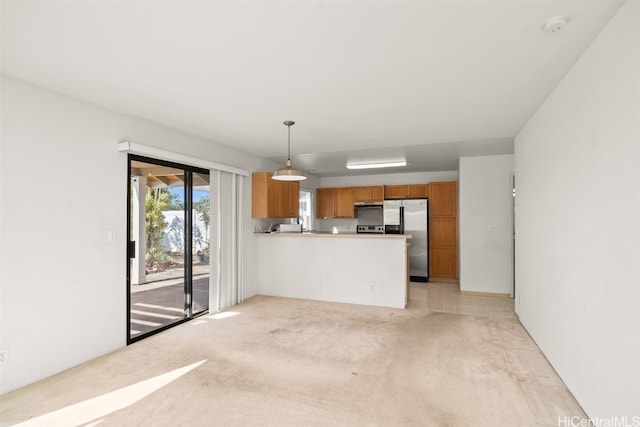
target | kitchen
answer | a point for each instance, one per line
(369, 240)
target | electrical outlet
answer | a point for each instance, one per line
(3, 357)
(112, 236)
(494, 228)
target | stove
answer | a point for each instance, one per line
(370, 229)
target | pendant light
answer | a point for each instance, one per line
(288, 173)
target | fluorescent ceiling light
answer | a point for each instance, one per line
(376, 165)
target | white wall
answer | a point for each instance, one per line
(173, 237)
(485, 202)
(577, 166)
(62, 285)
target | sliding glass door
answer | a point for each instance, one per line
(168, 259)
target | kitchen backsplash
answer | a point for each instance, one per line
(264, 224)
(341, 224)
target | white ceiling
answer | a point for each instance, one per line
(364, 80)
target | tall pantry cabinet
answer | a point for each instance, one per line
(443, 229)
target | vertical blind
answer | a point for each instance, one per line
(226, 213)
(225, 267)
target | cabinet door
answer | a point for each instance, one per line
(344, 198)
(289, 199)
(443, 247)
(260, 194)
(294, 199)
(442, 263)
(363, 194)
(325, 203)
(274, 206)
(395, 191)
(369, 194)
(443, 199)
(417, 191)
(443, 232)
(376, 193)
(273, 199)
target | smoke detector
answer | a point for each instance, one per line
(554, 25)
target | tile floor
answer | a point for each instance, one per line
(445, 297)
(544, 391)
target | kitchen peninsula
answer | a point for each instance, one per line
(346, 267)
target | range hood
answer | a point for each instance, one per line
(368, 204)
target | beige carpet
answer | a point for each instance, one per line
(294, 362)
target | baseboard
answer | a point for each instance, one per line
(443, 279)
(485, 294)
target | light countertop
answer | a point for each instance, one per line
(342, 234)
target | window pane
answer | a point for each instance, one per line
(201, 203)
(305, 216)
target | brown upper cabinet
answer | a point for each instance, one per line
(288, 198)
(345, 197)
(443, 199)
(274, 199)
(417, 191)
(325, 202)
(369, 194)
(377, 193)
(395, 191)
(410, 191)
(335, 202)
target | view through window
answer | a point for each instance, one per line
(306, 207)
(168, 276)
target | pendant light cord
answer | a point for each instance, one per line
(288, 172)
(288, 124)
(289, 143)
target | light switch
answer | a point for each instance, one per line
(112, 236)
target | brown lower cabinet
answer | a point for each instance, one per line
(443, 247)
(442, 263)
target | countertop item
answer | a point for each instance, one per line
(290, 228)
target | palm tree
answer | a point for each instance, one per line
(158, 200)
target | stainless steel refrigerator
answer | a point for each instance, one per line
(411, 217)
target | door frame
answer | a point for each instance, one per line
(188, 234)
